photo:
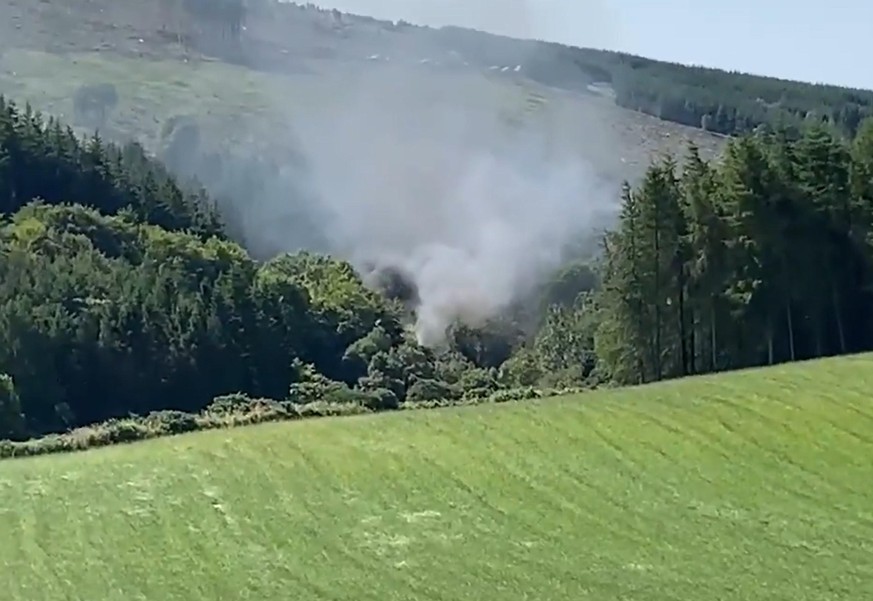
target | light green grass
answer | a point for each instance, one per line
(756, 485)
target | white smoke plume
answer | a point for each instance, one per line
(473, 210)
(414, 168)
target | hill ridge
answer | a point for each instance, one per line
(696, 96)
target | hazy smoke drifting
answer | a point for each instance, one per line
(413, 167)
(473, 210)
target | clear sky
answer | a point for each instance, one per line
(810, 40)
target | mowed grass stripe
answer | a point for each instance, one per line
(749, 485)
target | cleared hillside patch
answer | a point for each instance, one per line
(754, 485)
(269, 107)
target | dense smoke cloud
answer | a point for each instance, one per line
(473, 210)
(415, 167)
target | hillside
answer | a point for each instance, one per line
(742, 486)
(293, 69)
(307, 111)
(270, 111)
(284, 37)
(267, 111)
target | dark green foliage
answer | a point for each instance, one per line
(488, 345)
(382, 399)
(423, 391)
(564, 288)
(229, 404)
(11, 419)
(478, 383)
(110, 307)
(515, 394)
(239, 410)
(171, 422)
(725, 102)
(760, 259)
(733, 103)
(313, 387)
(121, 295)
(44, 159)
(344, 309)
(103, 316)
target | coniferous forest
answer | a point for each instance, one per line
(728, 103)
(120, 292)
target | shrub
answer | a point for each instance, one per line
(171, 422)
(117, 431)
(478, 383)
(239, 410)
(324, 409)
(382, 399)
(425, 390)
(229, 404)
(515, 394)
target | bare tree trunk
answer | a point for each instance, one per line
(683, 336)
(790, 330)
(713, 341)
(692, 342)
(657, 295)
(838, 314)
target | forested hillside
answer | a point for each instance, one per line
(119, 292)
(765, 257)
(277, 36)
(735, 103)
(719, 101)
(715, 100)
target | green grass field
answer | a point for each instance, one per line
(755, 485)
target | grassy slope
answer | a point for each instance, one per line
(49, 49)
(617, 142)
(753, 485)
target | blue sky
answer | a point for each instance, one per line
(809, 40)
(830, 42)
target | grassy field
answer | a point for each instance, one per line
(754, 485)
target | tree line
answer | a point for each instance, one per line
(764, 257)
(733, 103)
(729, 103)
(186, 17)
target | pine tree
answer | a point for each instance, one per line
(707, 264)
